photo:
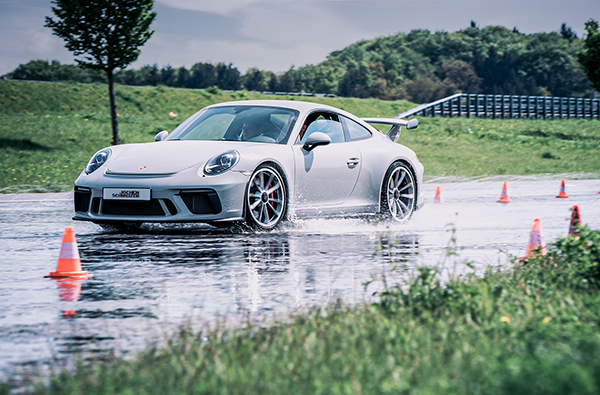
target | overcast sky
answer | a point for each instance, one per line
(274, 35)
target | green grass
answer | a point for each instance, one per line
(531, 329)
(49, 131)
(481, 147)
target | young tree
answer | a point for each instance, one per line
(589, 58)
(106, 34)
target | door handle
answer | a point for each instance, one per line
(352, 162)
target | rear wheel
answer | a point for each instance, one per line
(398, 193)
(266, 198)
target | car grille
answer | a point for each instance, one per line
(137, 208)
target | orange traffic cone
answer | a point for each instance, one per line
(172, 114)
(504, 197)
(535, 241)
(562, 194)
(575, 221)
(69, 264)
(438, 196)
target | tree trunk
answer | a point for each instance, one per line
(113, 108)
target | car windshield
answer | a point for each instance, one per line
(238, 123)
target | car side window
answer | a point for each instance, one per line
(354, 130)
(325, 123)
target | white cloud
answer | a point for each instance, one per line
(295, 24)
(41, 43)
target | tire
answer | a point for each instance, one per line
(266, 198)
(398, 193)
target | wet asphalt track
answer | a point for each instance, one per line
(146, 284)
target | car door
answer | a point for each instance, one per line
(327, 174)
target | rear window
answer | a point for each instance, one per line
(355, 130)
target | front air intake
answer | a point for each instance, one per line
(82, 199)
(201, 201)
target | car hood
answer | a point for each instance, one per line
(166, 157)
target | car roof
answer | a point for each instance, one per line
(302, 106)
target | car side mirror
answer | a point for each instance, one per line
(160, 136)
(315, 139)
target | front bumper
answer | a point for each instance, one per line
(206, 199)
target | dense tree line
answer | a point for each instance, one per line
(420, 66)
(199, 76)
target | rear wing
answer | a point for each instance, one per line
(397, 123)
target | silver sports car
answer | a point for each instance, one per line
(260, 162)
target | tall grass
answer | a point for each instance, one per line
(48, 132)
(532, 329)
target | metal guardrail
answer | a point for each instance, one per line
(508, 106)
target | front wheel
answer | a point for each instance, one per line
(398, 193)
(266, 198)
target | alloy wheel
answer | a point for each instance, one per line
(400, 192)
(266, 198)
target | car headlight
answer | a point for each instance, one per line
(221, 163)
(97, 160)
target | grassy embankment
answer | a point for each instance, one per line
(48, 132)
(533, 329)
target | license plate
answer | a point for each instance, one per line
(126, 194)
